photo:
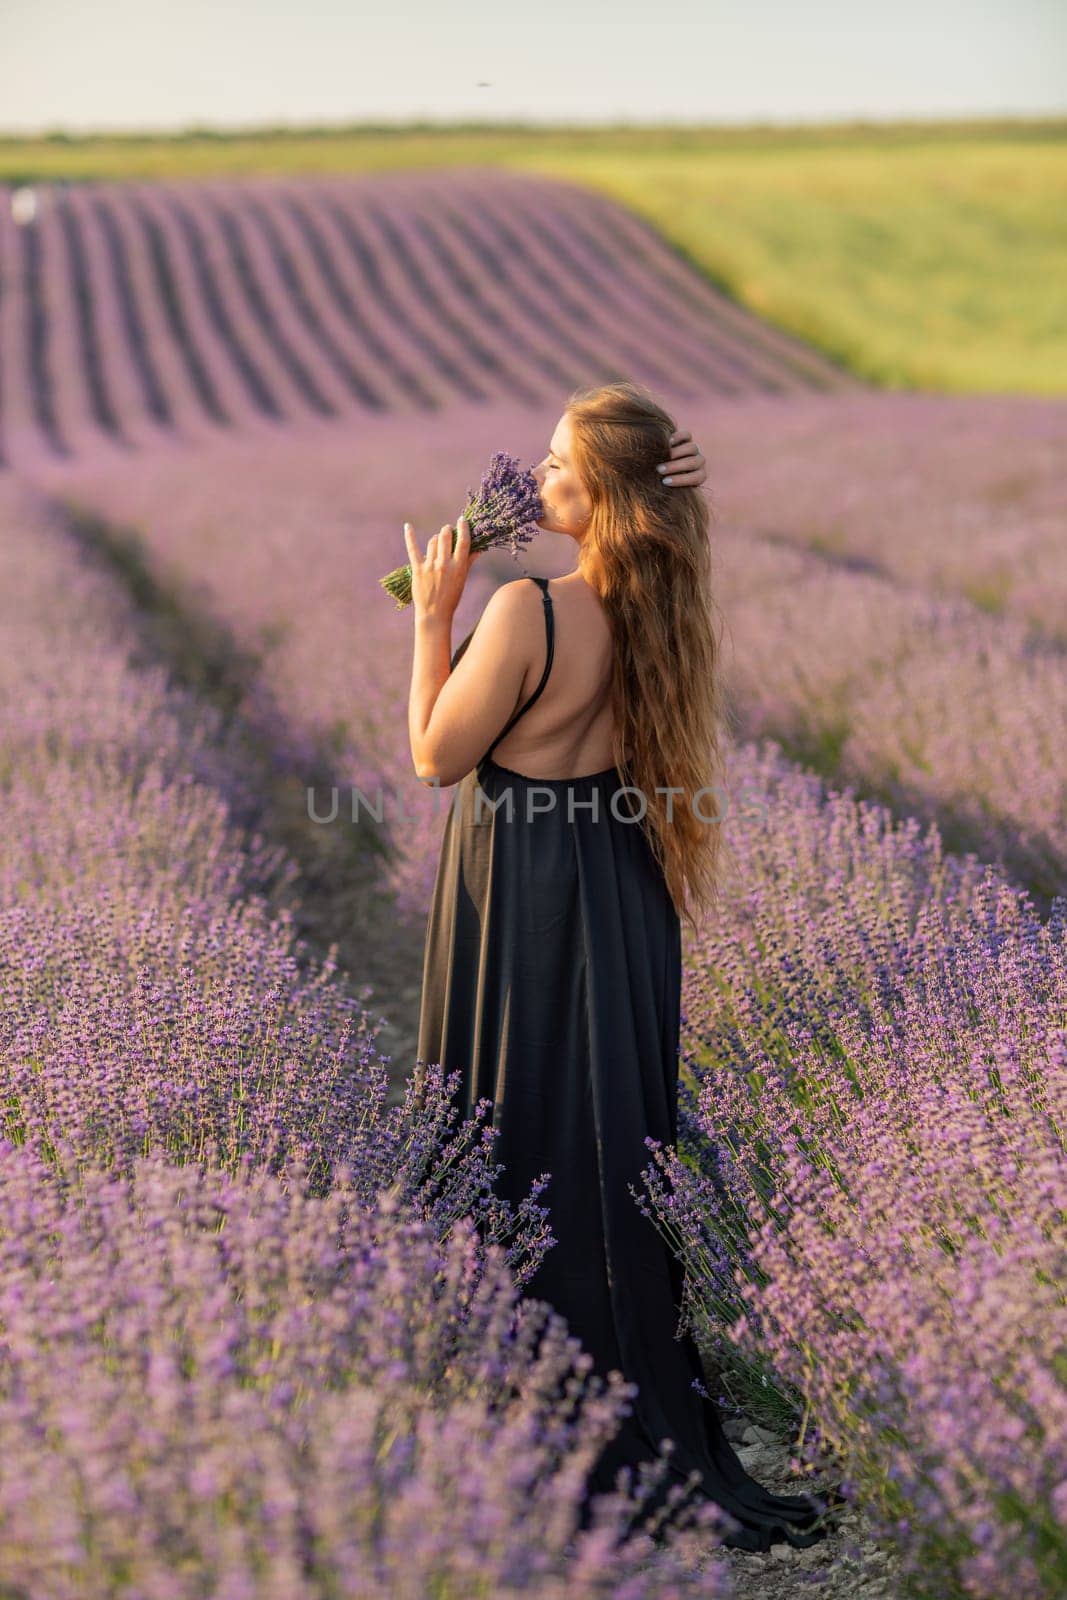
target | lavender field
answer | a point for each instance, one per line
(261, 1310)
(139, 313)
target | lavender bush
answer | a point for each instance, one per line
(217, 1383)
(152, 995)
(946, 495)
(944, 713)
(938, 1366)
(872, 1174)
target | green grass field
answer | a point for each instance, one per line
(930, 256)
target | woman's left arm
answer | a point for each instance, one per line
(687, 467)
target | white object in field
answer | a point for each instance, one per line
(23, 205)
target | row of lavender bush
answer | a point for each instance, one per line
(925, 702)
(139, 312)
(952, 494)
(261, 1336)
(870, 1189)
(137, 309)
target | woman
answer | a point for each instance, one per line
(552, 975)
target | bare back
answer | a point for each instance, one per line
(567, 732)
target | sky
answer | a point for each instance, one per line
(93, 65)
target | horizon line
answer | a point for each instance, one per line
(53, 133)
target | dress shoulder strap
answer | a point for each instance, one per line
(550, 634)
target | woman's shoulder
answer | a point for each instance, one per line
(513, 592)
(510, 613)
(515, 608)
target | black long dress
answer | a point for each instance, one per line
(552, 979)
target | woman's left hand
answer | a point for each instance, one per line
(687, 466)
(437, 578)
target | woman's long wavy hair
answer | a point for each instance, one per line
(647, 554)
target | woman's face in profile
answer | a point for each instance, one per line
(567, 507)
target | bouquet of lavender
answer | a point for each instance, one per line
(505, 510)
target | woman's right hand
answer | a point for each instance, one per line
(437, 578)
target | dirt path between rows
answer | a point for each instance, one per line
(336, 898)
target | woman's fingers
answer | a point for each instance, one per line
(687, 464)
(684, 452)
(665, 466)
(688, 471)
(443, 544)
(439, 546)
(453, 543)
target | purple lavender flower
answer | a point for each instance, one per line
(505, 509)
